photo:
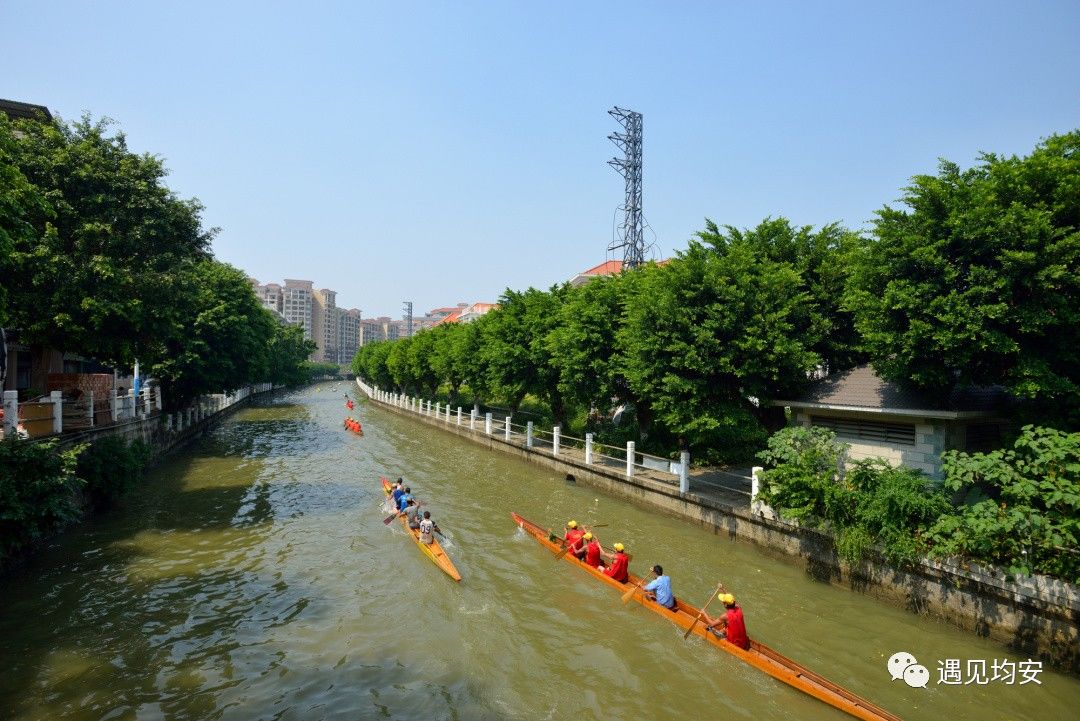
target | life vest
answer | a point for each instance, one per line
(736, 628)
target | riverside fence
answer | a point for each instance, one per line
(57, 415)
(627, 460)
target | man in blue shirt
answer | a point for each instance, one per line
(659, 589)
(403, 499)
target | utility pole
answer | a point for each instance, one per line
(631, 231)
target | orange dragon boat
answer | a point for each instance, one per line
(759, 655)
(432, 550)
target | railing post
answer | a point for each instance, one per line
(556, 432)
(168, 421)
(588, 449)
(114, 403)
(447, 412)
(755, 482)
(11, 413)
(472, 418)
(684, 471)
(438, 407)
(506, 434)
(487, 423)
(629, 459)
(529, 435)
(57, 400)
(459, 415)
(129, 403)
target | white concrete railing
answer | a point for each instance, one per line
(629, 458)
(28, 420)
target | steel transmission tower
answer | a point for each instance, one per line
(408, 319)
(630, 235)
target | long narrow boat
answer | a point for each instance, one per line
(771, 662)
(432, 550)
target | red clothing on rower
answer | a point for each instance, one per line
(592, 553)
(619, 568)
(573, 539)
(736, 628)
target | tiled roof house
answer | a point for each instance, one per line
(878, 418)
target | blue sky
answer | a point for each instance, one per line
(442, 151)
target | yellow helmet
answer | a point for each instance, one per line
(727, 599)
(619, 547)
(588, 535)
(571, 524)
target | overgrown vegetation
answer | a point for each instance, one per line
(1018, 508)
(110, 468)
(871, 503)
(38, 491)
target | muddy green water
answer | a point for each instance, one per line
(252, 578)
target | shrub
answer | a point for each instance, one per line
(1021, 507)
(111, 467)
(38, 491)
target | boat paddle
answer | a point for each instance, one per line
(715, 591)
(630, 594)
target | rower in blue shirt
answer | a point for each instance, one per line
(403, 499)
(659, 589)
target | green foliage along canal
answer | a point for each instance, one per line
(252, 577)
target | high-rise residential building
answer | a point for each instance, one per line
(296, 305)
(348, 334)
(324, 325)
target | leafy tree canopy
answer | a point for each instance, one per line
(102, 272)
(977, 280)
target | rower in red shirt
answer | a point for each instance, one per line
(620, 563)
(731, 624)
(572, 539)
(592, 550)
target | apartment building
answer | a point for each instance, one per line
(324, 325)
(348, 334)
(296, 304)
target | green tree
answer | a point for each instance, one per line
(583, 344)
(822, 260)
(710, 339)
(370, 363)
(516, 350)
(398, 366)
(976, 281)
(421, 352)
(226, 342)
(20, 201)
(287, 351)
(103, 271)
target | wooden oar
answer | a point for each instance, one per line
(630, 594)
(712, 596)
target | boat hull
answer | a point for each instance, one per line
(434, 551)
(759, 655)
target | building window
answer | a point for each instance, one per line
(874, 431)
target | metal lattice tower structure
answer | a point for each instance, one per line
(408, 318)
(631, 232)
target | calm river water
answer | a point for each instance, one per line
(252, 578)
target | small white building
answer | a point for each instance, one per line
(880, 419)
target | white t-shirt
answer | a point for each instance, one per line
(426, 527)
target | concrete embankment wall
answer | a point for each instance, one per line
(1035, 616)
